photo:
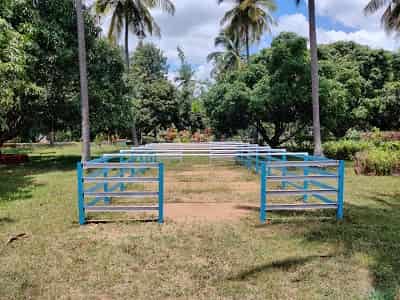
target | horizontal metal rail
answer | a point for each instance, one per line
(303, 206)
(332, 163)
(199, 154)
(122, 194)
(211, 150)
(120, 179)
(110, 165)
(299, 177)
(301, 192)
(110, 208)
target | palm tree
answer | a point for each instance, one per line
(83, 82)
(227, 59)
(390, 17)
(314, 77)
(248, 20)
(132, 16)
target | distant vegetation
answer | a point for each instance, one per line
(264, 97)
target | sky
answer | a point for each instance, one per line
(196, 23)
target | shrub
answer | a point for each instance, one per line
(377, 162)
(345, 149)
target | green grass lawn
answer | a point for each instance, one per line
(297, 257)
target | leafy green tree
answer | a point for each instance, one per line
(49, 40)
(19, 95)
(109, 104)
(280, 100)
(383, 111)
(154, 97)
(248, 20)
(227, 106)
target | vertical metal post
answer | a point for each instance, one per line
(263, 196)
(132, 159)
(305, 172)
(160, 193)
(81, 199)
(107, 200)
(340, 196)
(284, 172)
(121, 174)
(257, 167)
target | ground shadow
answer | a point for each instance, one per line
(17, 182)
(373, 231)
(285, 265)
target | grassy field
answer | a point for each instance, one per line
(299, 256)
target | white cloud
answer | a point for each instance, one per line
(375, 38)
(196, 23)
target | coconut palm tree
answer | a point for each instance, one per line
(132, 16)
(314, 77)
(391, 15)
(83, 82)
(227, 59)
(248, 20)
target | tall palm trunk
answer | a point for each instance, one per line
(127, 42)
(134, 131)
(247, 45)
(83, 82)
(314, 79)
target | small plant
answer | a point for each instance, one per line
(377, 162)
(345, 149)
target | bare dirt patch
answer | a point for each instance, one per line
(209, 212)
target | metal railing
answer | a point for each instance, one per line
(110, 180)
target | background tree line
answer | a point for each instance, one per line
(271, 96)
(265, 96)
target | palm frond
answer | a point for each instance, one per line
(374, 5)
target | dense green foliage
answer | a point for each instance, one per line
(43, 42)
(267, 100)
(154, 97)
(358, 89)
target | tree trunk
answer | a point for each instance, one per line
(127, 43)
(247, 46)
(314, 79)
(83, 83)
(134, 134)
(134, 131)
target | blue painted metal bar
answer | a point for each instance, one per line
(94, 188)
(297, 186)
(321, 184)
(161, 193)
(263, 193)
(319, 171)
(81, 200)
(113, 188)
(94, 201)
(305, 184)
(257, 160)
(284, 173)
(107, 200)
(121, 174)
(340, 196)
(323, 199)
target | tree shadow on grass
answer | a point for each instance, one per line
(17, 181)
(284, 265)
(374, 231)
